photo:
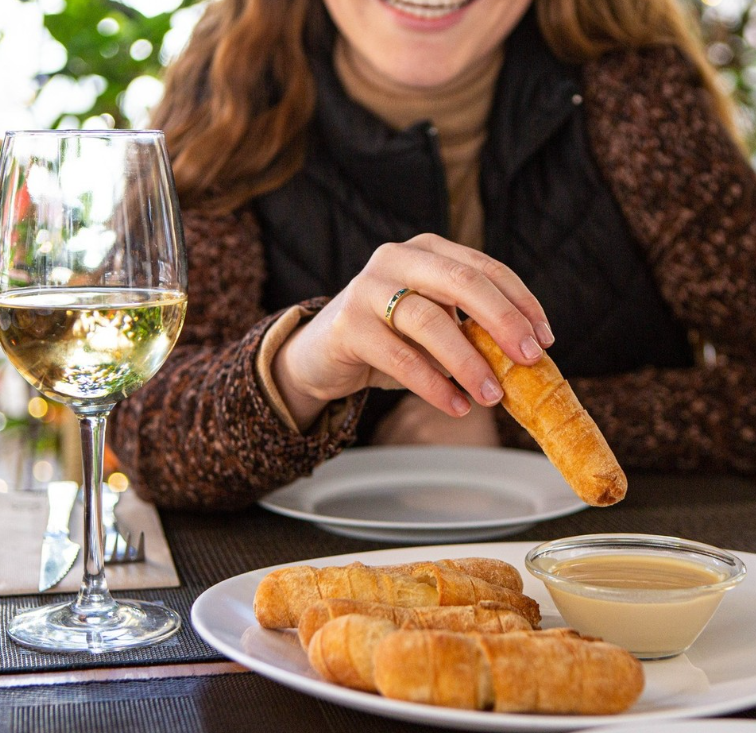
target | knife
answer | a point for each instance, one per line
(58, 552)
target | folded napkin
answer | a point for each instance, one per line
(23, 517)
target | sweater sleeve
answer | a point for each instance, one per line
(202, 433)
(689, 196)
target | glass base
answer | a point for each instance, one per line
(127, 624)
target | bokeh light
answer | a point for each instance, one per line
(118, 481)
(38, 407)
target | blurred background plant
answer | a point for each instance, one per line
(729, 31)
(98, 64)
(87, 63)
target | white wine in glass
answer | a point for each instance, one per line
(92, 300)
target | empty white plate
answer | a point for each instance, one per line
(428, 494)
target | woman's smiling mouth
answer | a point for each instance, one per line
(427, 9)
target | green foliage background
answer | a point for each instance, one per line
(108, 56)
(90, 52)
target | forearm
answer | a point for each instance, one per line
(202, 432)
(669, 420)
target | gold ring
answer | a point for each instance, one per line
(394, 301)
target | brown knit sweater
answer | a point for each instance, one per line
(202, 433)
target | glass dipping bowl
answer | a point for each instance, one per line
(645, 613)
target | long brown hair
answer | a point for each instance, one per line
(238, 101)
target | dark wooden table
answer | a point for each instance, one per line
(184, 685)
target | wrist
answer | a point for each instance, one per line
(303, 407)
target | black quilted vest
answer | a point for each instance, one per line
(549, 215)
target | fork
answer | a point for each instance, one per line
(124, 551)
(117, 544)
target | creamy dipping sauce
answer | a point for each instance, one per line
(639, 620)
(640, 572)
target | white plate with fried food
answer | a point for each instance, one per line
(428, 494)
(717, 675)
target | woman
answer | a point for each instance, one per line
(560, 168)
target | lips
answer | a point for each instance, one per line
(427, 9)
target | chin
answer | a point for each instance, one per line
(420, 74)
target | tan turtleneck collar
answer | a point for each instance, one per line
(459, 110)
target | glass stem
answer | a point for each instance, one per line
(94, 596)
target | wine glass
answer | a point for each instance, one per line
(92, 300)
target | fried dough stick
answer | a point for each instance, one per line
(284, 594)
(486, 617)
(543, 402)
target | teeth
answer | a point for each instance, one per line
(427, 8)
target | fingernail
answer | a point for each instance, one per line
(491, 392)
(544, 333)
(530, 348)
(460, 405)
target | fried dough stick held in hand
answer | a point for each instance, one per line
(543, 402)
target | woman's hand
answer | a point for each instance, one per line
(414, 422)
(350, 344)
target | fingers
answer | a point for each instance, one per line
(401, 361)
(431, 326)
(439, 277)
(484, 288)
